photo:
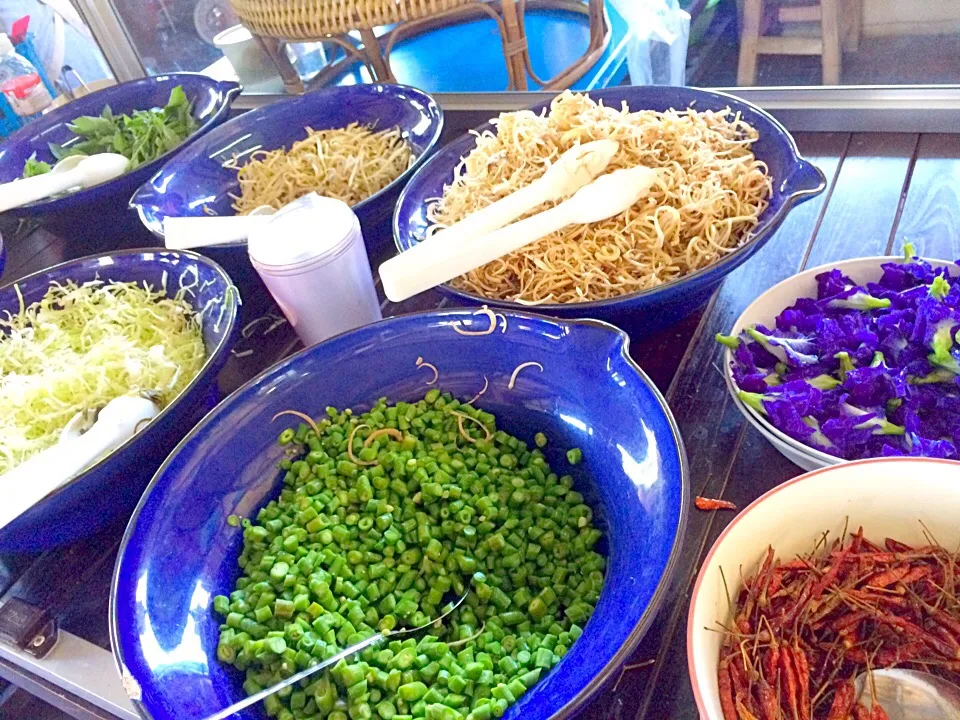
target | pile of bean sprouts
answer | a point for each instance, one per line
(349, 164)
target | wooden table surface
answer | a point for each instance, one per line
(883, 190)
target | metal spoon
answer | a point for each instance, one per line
(347, 652)
(75, 172)
(910, 694)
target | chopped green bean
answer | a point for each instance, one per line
(382, 535)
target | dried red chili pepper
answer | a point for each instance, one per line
(703, 503)
(743, 712)
(842, 702)
(803, 681)
(769, 707)
(789, 685)
(727, 703)
(835, 613)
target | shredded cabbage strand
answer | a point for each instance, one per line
(81, 346)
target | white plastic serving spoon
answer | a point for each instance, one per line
(605, 197)
(572, 170)
(87, 437)
(184, 233)
(68, 174)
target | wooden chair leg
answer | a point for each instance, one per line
(371, 48)
(516, 45)
(830, 31)
(853, 21)
(275, 49)
(749, 41)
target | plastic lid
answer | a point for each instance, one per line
(306, 229)
(21, 85)
(5, 45)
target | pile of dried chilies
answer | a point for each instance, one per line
(804, 629)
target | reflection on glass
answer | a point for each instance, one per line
(175, 35)
(712, 43)
(827, 42)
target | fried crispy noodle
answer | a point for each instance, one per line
(710, 192)
(349, 164)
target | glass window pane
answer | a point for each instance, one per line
(175, 35)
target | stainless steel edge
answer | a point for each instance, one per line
(81, 669)
(913, 108)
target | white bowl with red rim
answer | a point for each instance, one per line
(889, 497)
(764, 311)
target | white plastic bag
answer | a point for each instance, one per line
(657, 41)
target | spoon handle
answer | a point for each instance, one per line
(27, 190)
(293, 679)
(408, 273)
(503, 212)
(183, 233)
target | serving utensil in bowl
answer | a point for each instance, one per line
(196, 184)
(110, 488)
(100, 212)
(793, 179)
(179, 551)
(70, 174)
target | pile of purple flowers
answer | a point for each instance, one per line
(862, 371)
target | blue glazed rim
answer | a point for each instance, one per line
(756, 241)
(625, 649)
(217, 351)
(229, 89)
(263, 113)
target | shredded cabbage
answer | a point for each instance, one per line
(81, 347)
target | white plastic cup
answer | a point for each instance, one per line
(311, 257)
(251, 63)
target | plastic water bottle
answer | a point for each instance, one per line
(20, 82)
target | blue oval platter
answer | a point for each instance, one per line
(97, 209)
(794, 180)
(195, 182)
(179, 550)
(111, 487)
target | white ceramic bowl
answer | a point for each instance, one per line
(764, 311)
(889, 497)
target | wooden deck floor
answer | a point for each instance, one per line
(884, 190)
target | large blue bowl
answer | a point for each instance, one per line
(102, 210)
(94, 498)
(179, 551)
(794, 180)
(196, 180)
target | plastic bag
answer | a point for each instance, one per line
(657, 41)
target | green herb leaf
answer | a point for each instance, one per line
(34, 167)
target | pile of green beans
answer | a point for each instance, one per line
(381, 537)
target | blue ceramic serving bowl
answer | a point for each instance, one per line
(111, 487)
(196, 178)
(179, 551)
(101, 209)
(793, 179)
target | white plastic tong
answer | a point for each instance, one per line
(487, 234)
